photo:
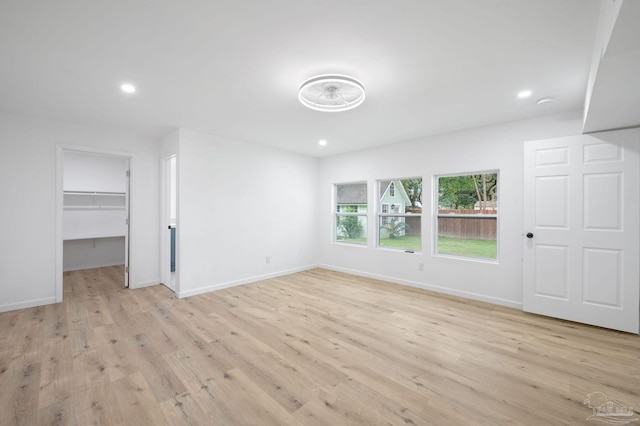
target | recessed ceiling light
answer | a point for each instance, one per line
(322, 142)
(331, 93)
(128, 88)
(524, 94)
(545, 100)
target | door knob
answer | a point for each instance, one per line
(529, 235)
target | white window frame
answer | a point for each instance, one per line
(338, 214)
(382, 218)
(437, 215)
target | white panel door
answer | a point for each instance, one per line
(581, 245)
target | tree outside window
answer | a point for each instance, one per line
(467, 215)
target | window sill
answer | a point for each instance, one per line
(399, 250)
(467, 258)
(343, 244)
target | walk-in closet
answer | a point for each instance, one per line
(95, 215)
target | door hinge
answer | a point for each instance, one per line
(126, 221)
(128, 173)
(126, 269)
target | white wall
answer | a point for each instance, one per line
(489, 148)
(96, 173)
(91, 253)
(28, 176)
(239, 204)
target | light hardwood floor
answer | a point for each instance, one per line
(313, 348)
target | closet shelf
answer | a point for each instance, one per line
(117, 194)
(94, 200)
(94, 207)
(92, 236)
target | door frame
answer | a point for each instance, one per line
(59, 188)
(165, 193)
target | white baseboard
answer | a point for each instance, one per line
(27, 304)
(144, 284)
(50, 300)
(91, 266)
(430, 287)
(207, 289)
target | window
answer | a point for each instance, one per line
(467, 215)
(353, 208)
(400, 214)
(351, 213)
(384, 208)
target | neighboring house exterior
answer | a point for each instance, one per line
(393, 197)
(489, 205)
(351, 198)
(393, 200)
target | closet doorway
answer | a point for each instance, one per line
(170, 200)
(95, 211)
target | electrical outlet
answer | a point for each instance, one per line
(268, 259)
(420, 266)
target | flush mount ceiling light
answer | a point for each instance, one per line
(331, 93)
(128, 88)
(524, 94)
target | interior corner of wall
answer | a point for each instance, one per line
(609, 11)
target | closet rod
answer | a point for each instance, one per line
(93, 193)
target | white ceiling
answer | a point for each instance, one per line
(233, 67)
